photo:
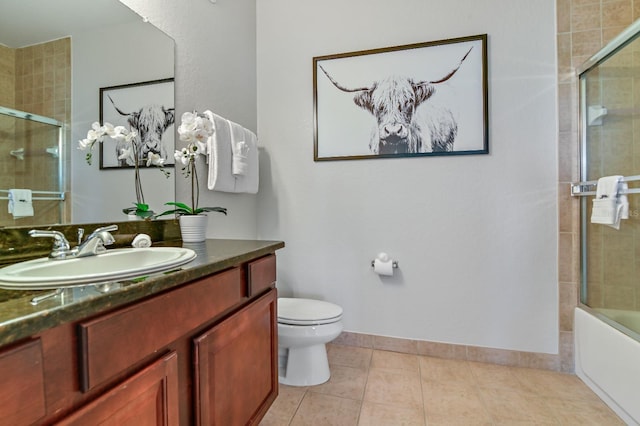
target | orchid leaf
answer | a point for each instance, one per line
(179, 205)
(183, 209)
(140, 210)
(211, 209)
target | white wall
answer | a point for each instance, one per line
(128, 53)
(476, 236)
(216, 70)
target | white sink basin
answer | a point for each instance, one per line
(113, 265)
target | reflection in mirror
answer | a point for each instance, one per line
(54, 72)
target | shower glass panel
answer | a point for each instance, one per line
(30, 148)
(610, 138)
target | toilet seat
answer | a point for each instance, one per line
(295, 311)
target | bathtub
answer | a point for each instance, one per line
(608, 360)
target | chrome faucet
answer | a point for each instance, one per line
(93, 245)
(95, 242)
(61, 248)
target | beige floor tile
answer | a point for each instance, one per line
(349, 356)
(326, 410)
(395, 344)
(345, 382)
(445, 370)
(395, 387)
(382, 414)
(496, 376)
(550, 384)
(583, 413)
(395, 360)
(453, 404)
(506, 407)
(285, 406)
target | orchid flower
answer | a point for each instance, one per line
(85, 143)
(154, 159)
(195, 130)
(126, 154)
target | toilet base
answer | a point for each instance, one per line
(305, 366)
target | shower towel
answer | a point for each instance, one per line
(20, 203)
(227, 139)
(611, 204)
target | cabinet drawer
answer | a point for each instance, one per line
(22, 391)
(262, 274)
(114, 342)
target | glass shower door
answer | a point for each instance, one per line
(30, 148)
(610, 133)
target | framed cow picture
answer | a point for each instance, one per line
(423, 99)
(147, 108)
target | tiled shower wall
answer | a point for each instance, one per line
(584, 26)
(35, 79)
(7, 76)
(43, 79)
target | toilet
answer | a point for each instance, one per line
(304, 327)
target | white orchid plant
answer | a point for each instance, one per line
(195, 129)
(128, 153)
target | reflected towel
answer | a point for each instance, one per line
(20, 203)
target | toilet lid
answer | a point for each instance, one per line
(297, 311)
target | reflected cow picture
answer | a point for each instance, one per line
(147, 108)
(434, 109)
(150, 122)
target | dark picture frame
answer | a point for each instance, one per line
(148, 108)
(415, 100)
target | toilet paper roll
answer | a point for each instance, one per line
(383, 268)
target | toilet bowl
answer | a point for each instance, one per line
(304, 327)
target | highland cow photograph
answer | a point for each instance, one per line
(422, 99)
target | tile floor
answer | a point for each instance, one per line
(381, 388)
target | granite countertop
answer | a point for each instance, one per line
(20, 319)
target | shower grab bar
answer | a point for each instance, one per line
(41, 195)
(585, 188)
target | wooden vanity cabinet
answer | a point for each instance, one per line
(202, 353)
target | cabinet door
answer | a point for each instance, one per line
(236, 377)
(22, 400)
(148, 398)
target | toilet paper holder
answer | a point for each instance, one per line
(384, 257)
(394, 264)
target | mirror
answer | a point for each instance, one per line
(55, 70)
